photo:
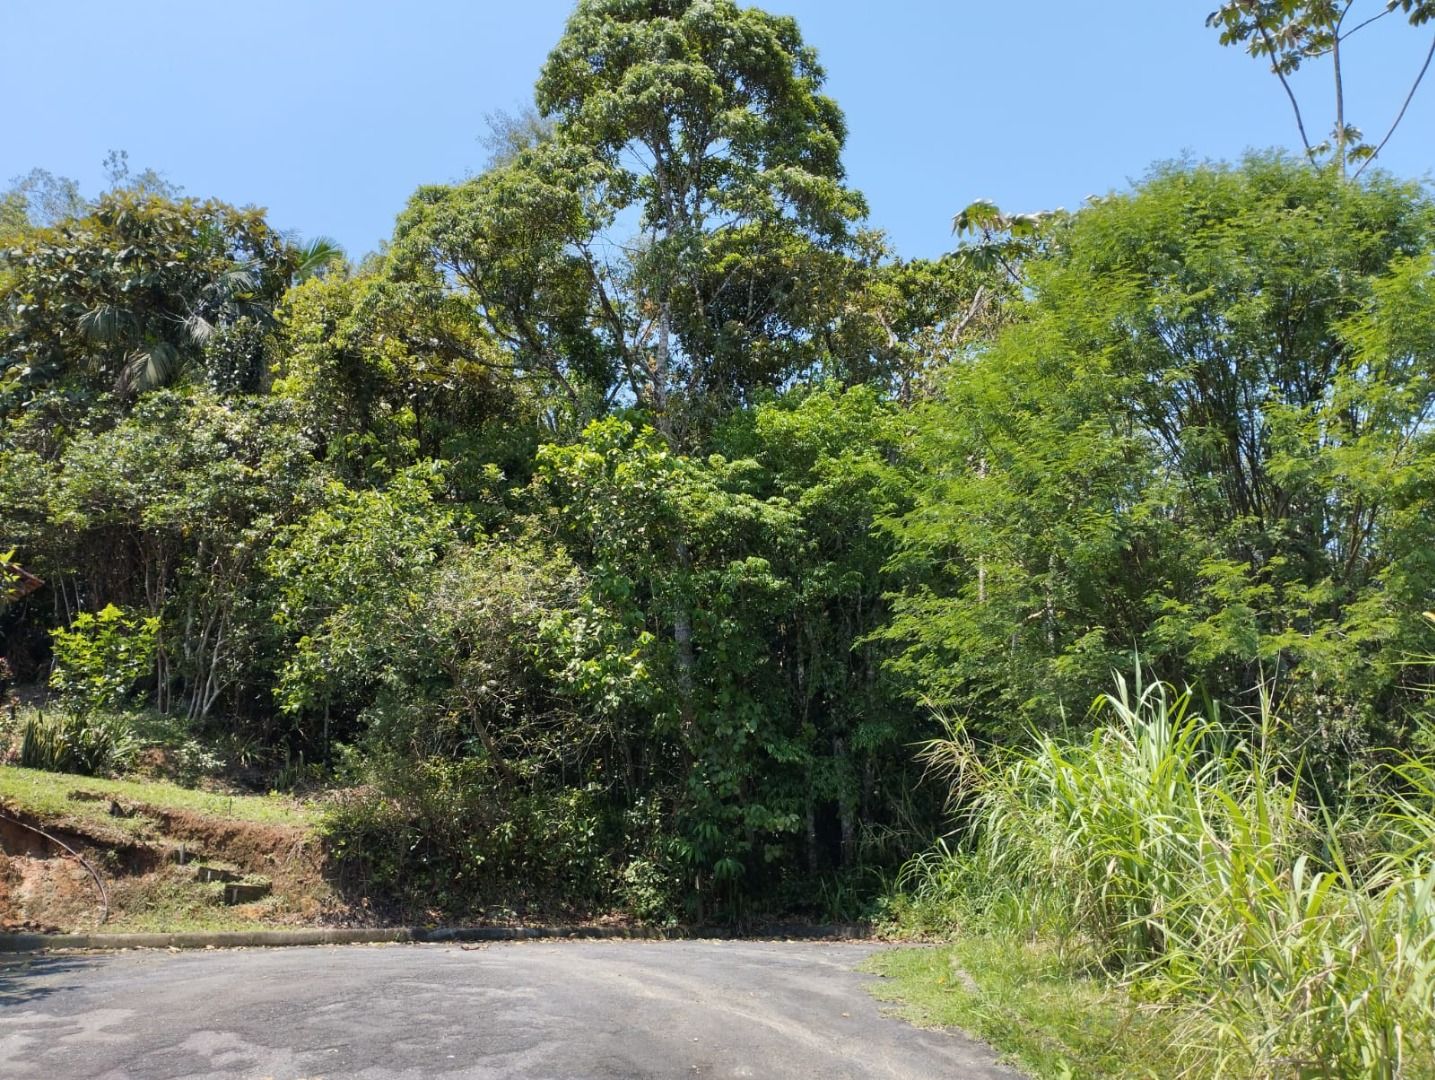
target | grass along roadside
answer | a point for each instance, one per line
(171, 858)
(1034, 1005)
(52, 795)
(1282, 935)
(172, 905)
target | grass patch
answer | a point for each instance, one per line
(49, 794)
(138, 855)
(1034, 1005)
(174, 904)
(1284, 936)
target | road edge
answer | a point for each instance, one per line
(231, 939)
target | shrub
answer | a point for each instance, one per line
(447, 836)
(101, 656)
(170, 746)
(86, 743)
(1179, 851)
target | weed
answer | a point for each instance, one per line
(1175, 849)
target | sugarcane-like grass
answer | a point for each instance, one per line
(1171, 846)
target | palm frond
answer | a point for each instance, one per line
(198, 328)
(314, 257)
(147, 369)
(102, 322)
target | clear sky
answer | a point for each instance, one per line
(330, 112)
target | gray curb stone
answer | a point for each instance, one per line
(230, 939)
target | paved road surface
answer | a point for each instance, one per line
(519, 1011)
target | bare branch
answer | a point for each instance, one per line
(1276, 67)
(1341, 21)
(1361, 26)
(1401, 115)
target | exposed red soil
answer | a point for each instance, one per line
(42, 887)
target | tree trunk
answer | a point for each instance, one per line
(683, 644)
(844, 806)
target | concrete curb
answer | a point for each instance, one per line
(231, 939)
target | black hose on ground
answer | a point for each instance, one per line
(99, 885)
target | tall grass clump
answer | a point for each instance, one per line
(1296, 939)
(90, 744)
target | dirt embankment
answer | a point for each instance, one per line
(158, 868)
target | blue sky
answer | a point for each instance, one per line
(330, 112)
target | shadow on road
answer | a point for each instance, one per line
(27, 979)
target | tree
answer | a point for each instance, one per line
(777, 738)
(126, 297)
(1206, 441)
(345, 575)
(40, 199)
(902, 322)
(701, 125)
(1291, 33)
(14, 218)
(315, 258)
(168, 510)
(708, 119)
(513, 246)
(390, 372)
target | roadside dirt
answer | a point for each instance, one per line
(151, 871)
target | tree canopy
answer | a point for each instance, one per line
(612, 538)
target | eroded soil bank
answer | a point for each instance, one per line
(157, 868)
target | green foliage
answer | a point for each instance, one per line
(434, 835)
(1294, 937)
(40, 199)
(727, 602)
(13, 216)
(126, 296)
(664, 531)
(101, 656)
(341, 573)
(609, 532)
(170, 746)
(168, 510)
(388, 372)
(514, 240)
(15, 582)
(1290, 34)
(1205, 441)
(86, 742)
(703, 124)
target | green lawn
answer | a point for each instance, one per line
(49, 795)
(1031, 1004)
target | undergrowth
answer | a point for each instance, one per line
(1277, 935)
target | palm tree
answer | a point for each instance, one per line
(229, 297)
(314, 258)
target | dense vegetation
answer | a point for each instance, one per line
(612, 538)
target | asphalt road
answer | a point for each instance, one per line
(520, 1011)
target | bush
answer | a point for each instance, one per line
(1182, 856)
(87, 743)
(439, 836)
(101, 656)
(172, 747)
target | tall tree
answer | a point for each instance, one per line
(702, 126)
(670, 235)
(708, 120)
